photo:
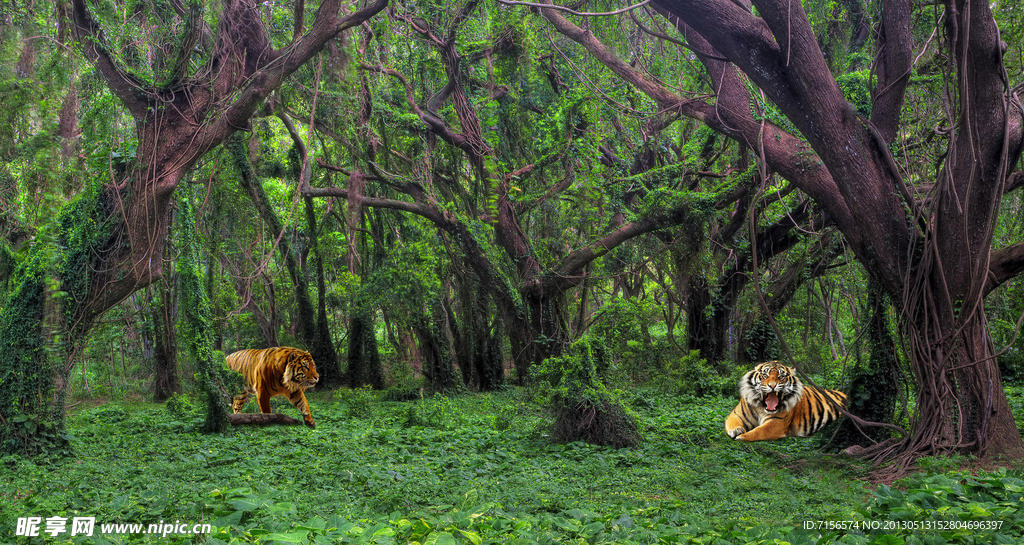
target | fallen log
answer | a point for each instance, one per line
(262, 419)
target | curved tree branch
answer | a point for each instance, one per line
(1005, 264)
(780, 54)
(893, 67)
(784, 153)
(130, 89)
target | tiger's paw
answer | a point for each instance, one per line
(310, 424)
(736, 432)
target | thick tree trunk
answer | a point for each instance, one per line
(708, 318)
(959, 359)
(539, 335)
(477, 347)
(873, 391)
(961, 405)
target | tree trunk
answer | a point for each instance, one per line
(960, 360)
(707, 318)
(67, 122)
(539, 335)
(165, 363)
(313, 333)
(874, 389)
(363, 354)
(436, 347)
(322, 348)
(476, 342)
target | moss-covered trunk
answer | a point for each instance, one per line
(196, 328)
(46, 317)
(477, 341)
(363, 353)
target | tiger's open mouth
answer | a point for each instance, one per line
(771, 402)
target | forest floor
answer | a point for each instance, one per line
(478, 468)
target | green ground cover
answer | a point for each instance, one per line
(480, 469)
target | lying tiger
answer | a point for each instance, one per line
(280, 371)
(775, 404)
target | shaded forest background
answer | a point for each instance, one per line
(439, 196)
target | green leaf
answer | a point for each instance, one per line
(473, 537)
(444, 538)
(978, 510)
(297, 536)
(243, 505)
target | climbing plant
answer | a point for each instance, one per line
(584, 409)
(41, 325)
(195, 321)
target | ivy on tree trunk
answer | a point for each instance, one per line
(195, 321)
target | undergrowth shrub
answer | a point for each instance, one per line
(407, 390)
(359, 402)
(232, 382)
(436, 411)
(637, 351)
(584, 409)
(107, 414)
(692, 375)
(181, 407)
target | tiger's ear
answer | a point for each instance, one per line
(793, 369)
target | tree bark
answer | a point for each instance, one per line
(313, 333)
(935, 261)
(436, 347)
(475, 340)
(165, 363)
(363, 354)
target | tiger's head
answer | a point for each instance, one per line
(300, 371)
(772, 387)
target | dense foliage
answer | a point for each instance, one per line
(480, 469)
(581, 229)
